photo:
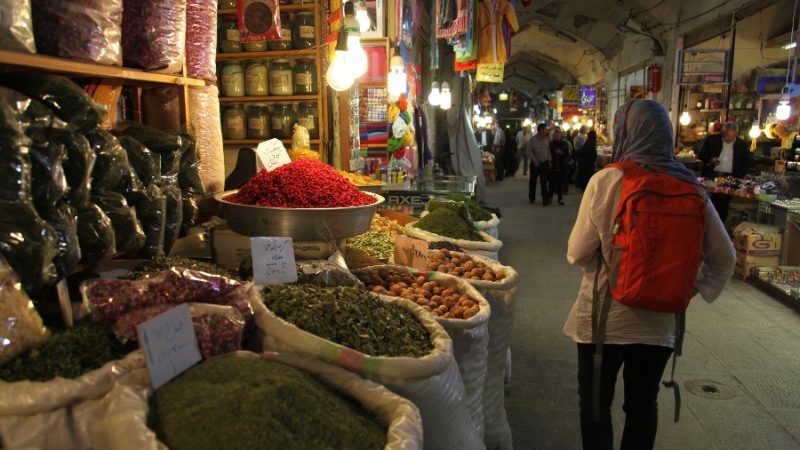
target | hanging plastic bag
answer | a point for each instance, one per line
(174, 211)
(190, 183)
(64, 220)
(201, 39)
(47, 173)
(204, 114)
(128, 233)
(77, 166)
(95, 234)
(86, 30)
(16, 26)
(29, 245)
(151, 209)
(169, 146)
(154, 34)
(147, 168)
(21, 326)
(15, 164)
(112, 170)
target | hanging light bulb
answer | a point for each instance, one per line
(576, 126)
(435, 96)
(397, 76)
(755, 131)
(362, 16)
(590, 123)
(357, 56)
(784, 110)
(446, 99)
(565, 126)
(575, 119)
(475, 108)
(503, 96)
(339, 75)
(527, 122)
(685, 118)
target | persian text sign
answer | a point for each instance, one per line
(273, 260)
(570, 95)
(588, 97)
(169, 344)
(411, 252)
(490, 73)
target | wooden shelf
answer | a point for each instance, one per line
(712, 110)
(60, 65)
(305, 53)
(258, 141)
(283, 8)
(270, 98)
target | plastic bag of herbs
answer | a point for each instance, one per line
(448, 295)
(390, 340)
(500, 292)
(452, 222)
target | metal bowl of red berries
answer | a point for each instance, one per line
(302, 224)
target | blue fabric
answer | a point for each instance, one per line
(643, 134)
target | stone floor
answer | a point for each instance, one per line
(746, 345)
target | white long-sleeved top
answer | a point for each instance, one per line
(628, 325)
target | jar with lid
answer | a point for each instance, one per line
(256, 77)
(255, 46)
(232, 79)
(228, 35)
(233, 120)
(285, 43)
(280, 77)
(305, 77)
(282, 121)
(308, 117)
(303, 33)
(258, 125)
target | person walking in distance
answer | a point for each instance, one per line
(522, 148)
(585, 159)
(681, 247)
(539, 150)
(498, 149)
(559, 157)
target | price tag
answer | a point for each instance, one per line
(273, 260)
(411, 252)
(169, 344)
(272, 154)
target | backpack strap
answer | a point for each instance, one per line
(601, 305)
(680, 329)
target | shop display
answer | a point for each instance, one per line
(303, 31)
(285, 41)
(449, 223)
(303, 183)
(285, 408)
(308, 118)
(95, 233)
(147, 168)
(386, 226)
(204, 118)
(280, 77)
(256, 77)
(351, 317)
(21, 326)
(154, 34)
(112, 170)
(258, 122)
(234, 120)
(305, 78)
(283, 117)
(16, 26)
(64, 220)
(376, 244)
(68, 353)
(162, 263)
(229, 39)
(461, 265)
(129, 236)
(233, 79)
(201, 39)
(169, 145)
(85, 31)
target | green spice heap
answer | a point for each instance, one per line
(351, 317)
(165, 262)
(259, 405)
(69, 354)
(475, 210)
(450, 223)
(378, 245)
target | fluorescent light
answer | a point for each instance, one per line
(789, 46)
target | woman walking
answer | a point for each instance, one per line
(586, 157)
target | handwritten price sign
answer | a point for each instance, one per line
(169, 344)
(411, 252)
(272, 154)
(273, 260)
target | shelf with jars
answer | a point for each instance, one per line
(268, 86)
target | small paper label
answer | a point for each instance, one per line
(273, 260)
(257, 123)
(232, 35)
(255, 83)
(272, 154)
(279, 81)
(411, 252)
(306, 32)
(302, 79)
(169, 344)
(235, 123)
(286, 34)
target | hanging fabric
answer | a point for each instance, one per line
(491, 41)
(460, 24)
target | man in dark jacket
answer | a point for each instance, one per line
(723, 155)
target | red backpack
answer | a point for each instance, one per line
(658, 240)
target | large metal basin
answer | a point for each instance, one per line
(302, 224)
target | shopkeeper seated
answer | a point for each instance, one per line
(724, 155)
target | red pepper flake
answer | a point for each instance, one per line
(304, 183)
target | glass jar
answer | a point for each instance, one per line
(228, 35)
(308, 116)
(286, 35)
(255, 46)
(280, 77)
(282, 121)
(305, 77)
(258, 125)
(255, 82)
(232, 79)
(226, 4)
(303, 32)
(233, 120)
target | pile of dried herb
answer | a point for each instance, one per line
(447, 222)
(475, 210)
(257, 404)
(351, 317)
(377, 244)
(165, 262)
(69, 353)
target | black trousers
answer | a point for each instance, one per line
(500, 165)
(721, 203)
(557, 183)
(643, 366)
(543, 174)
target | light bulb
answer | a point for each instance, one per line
(489, 119)
(565, 126)
(527, 122)
(396, 84)
(755, 131)
(575, 119)
(590, 123)
(685, 118)
(576, 126)
(357, 56)
(435, 96)
(784, 110)
(475, 108)
(446, 99)
(503, 96)
(362, 16)
(339, 75)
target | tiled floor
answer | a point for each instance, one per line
(746, 342)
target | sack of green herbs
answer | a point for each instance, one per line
(484, 220)
(443, 225)
(390, 340)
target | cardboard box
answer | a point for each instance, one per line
(758, 245)
(230, 248)
(746, 262)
